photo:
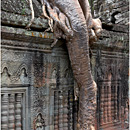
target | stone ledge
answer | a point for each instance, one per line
(115, 27)
(112, 41)
(17, 20)
(21, 39)
(25, 35)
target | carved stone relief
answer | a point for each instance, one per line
(110, 90)
(39, 72)
(19, 76)
(39, 100)
(5, 77)
(53, 78)
(14, 114)
(39, 123)
(23, 76)
(16, 56)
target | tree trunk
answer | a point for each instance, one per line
(78, 49)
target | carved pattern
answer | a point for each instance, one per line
(12, 111)
(63, 110)
(39, 101)
(70, 105)
(109, 101)
(15, 55)
(39, 73)
(18, 77)
(60, 106)
(26, 45)
(109, 86)
(56, 110)
(39, 122)
(5, 77)
(53, 78)
(66, 110)
(4, 112)
(18, 111)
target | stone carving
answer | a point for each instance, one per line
(5, 77)
(39, 72)
(12, 111)
(23, 76)
(39, 123)
(39, 100)
(73, 20)
(127, 114)
(19, 75)
(63, 110)
(4, 112)
(110, 90)
(53, 78)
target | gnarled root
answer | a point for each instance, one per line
(54, 43)
(61, 23)
(95, 30)
(50, 20)
(32, 11)
(61, 26)
(97, 25)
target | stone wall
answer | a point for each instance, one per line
(112, 11)
(29, 63)
(37, 80)
(111, 64)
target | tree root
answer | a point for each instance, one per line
(50, 20)
(32, 19)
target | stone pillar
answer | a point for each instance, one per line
(11, 112)
(102, 105)
(4, 112)
(70, 110)
(109, 103)
(56, 110)
(61, 111)
(18, 111)
(65, 116)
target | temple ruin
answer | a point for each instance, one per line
(38, 90)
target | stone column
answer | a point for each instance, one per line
(18, 111)
(11, 112)
(4, 112)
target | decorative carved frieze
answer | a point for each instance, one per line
(19, 76)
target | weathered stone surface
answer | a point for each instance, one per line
(28, 61)
(112, 11)
(20, 7)
(21, 21)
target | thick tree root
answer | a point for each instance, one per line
(87, 107)
(74, 27)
